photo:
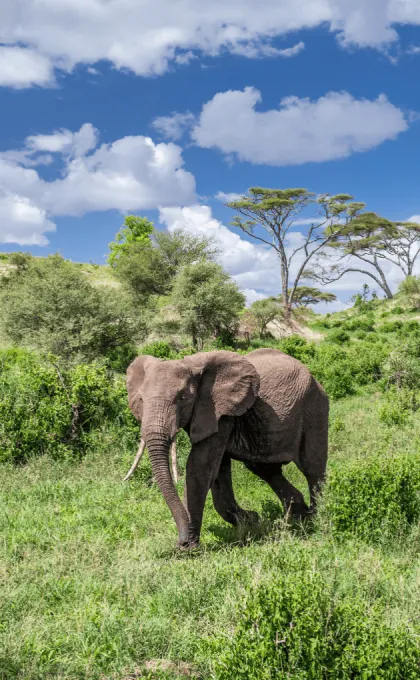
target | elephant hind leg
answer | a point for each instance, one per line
(314, 446)
(291, 498)
(313, 461)
(224, 499)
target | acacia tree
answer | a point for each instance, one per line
(306, 295)
(402, 247)
(276, 211)
(373, 240)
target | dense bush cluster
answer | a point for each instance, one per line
(46, 409)
(373, 497)
(300, 626)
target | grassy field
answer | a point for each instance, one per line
(91, 586)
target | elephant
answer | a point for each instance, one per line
(264, 409)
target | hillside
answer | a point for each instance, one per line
(92, 585)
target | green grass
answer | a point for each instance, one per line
(92, 588)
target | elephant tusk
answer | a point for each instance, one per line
(136, 460)
(175, 473)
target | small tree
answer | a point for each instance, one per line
(410, 288)
(263, 312)
(276, 211)
(179, 248)
(51, 305)
(147, 260)
(207, 301)
(135, 230)
(143, 270)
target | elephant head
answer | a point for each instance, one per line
(192, 393)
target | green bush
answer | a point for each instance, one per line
(330, 367)
(397, 406)
(45, 409)
(398, 310)
(402, 367)
(50, 305)
(338, 337)
(297, 347)
(365, 361)
(361, 323)
(360, 335)
(391, 326)
(299, 626)
(160, 350)
(373, 497)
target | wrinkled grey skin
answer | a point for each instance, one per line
(264, 409)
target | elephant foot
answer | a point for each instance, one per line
(189, 545)
(298, 511)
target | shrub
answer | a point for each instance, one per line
(299, 626)
(398, 310)
(50, 305)
(360, 335)
(402, 367)
(330, 366)
(297, 347)
(373, 497)
(391, 326)
(48, 410)
(397, 406)
(338, 337)
(365, 362)
(361, 323)
(160, 350)
(410, 288)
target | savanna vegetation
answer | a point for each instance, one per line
(91, 586)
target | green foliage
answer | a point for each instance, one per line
(135, 231)
(397, 406)
(260, 314)
(410, 288)
(331, 368)
(46, 410)
(373, 497)
(398, 310)
(50, 305)
(143, 270)
(298, 625)
(338, 337)
(360, 323)
(402, 366)
(180, 248)
(390, 326)
(159, 349)
(207, 301)
(297, 347)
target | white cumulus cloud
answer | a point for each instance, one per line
(174, 125)
(23, 222)
(299, 131)
(20, 67)
(147, 37)
(132, 173)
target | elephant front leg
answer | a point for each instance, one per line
(224, 499)
(202, 469)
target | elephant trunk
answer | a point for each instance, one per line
(158, 447)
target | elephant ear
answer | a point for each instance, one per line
(134, 381)
(228, 385)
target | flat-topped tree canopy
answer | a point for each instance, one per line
(276, 212)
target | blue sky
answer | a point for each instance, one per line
(154, 108)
